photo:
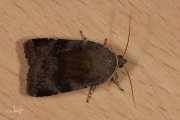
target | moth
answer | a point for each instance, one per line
(63, 65)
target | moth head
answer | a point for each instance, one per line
(121, 61)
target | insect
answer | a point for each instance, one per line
(61, 65)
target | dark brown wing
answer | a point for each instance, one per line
(66, 65)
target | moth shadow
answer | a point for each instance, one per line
(23, 66)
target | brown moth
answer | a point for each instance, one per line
(62, 65)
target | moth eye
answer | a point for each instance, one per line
(120, 66)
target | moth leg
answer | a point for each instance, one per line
(82, 36)
(91, 90)
(115, 80)
(105, 42)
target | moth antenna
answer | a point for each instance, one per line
(128, 34)
(131, 86)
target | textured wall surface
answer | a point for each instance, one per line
(153, 58)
